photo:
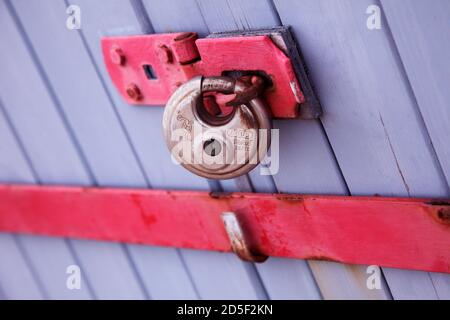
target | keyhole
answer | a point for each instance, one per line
(212, 147)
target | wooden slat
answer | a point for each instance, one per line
(369, 115)
(427, 68)
(66, 75)
(28, 111)
(312, 153)
(16, 280)
(222, 16)
(162, 271)
(16, 275)
(242, 281)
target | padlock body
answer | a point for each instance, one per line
(212, 146)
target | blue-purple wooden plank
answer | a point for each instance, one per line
(162, 271)
(207, 269)
(27, 115)
(16, 274)
(304, 153)
(370, 117)
(218, 16)
(48, 134)
(16, 278)
(420, 30)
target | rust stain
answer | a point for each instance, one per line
(321, 258)
(172, 195)
(220, 195)
(288, 197)
(439, 203)
(247, 122)
(440, 211)
(85, 189)
(443, 214)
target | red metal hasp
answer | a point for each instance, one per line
(147, 69)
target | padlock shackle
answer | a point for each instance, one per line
(225, 85)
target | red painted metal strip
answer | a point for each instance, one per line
(178, 57)
(392, 232)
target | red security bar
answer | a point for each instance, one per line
(392, 232)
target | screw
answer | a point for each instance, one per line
(134, 92)
(165, 54)
(117, 56)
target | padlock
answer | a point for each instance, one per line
(217, 146)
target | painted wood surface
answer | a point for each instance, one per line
(384, 131)
(364, 107)
(426, 67)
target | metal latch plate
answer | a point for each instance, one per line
(147, 69)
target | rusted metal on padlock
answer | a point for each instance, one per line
(217, 146)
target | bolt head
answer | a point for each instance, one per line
(165, 54)
(134, 92)
(117, 56)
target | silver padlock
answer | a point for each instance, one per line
(211, 146)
